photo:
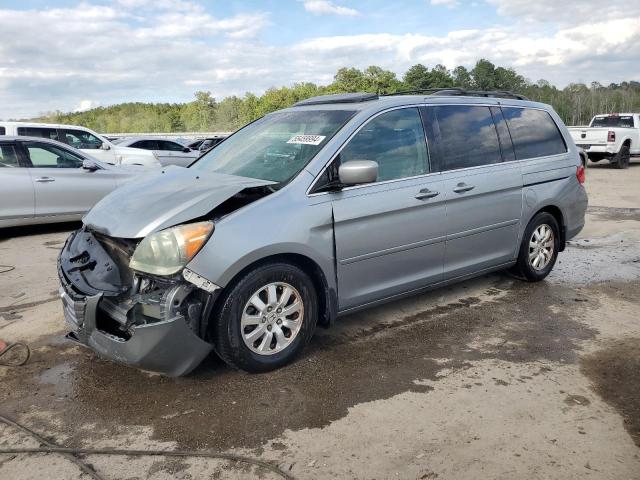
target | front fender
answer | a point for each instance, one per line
(283, 223)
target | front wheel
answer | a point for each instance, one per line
(266, 318)
(539, 248)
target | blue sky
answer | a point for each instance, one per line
(74, 54)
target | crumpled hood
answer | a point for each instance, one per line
(173, 196)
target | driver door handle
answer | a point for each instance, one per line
(425, 194)
(463, 187)
(45, 179)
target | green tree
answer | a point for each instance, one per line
(484, 75)
(440, 77)
(417, 77)
(348, 80)
(462, 77)
(380, 81)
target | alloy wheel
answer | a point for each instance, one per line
(272, 318)
(541, 247)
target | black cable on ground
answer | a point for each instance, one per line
(10, 347)
(6, 268)
(72, 453)
(85, 468)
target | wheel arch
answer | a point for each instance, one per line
(327, 296)
(556, 212)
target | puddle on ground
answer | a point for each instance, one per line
(605, 259)
(614, 372)
(615, 214)
(219, 408)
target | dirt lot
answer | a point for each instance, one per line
(491, 378)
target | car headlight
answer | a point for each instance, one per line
(166, 252)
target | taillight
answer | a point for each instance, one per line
(580, 174)
(611, 137)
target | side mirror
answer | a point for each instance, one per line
(90, 165)
(356, 172)
(186, 150)
(105, 146)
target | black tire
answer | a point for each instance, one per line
(622, 159)
(524, 268)
(227, 332)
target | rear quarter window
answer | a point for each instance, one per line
(50, 133)
(533, 132)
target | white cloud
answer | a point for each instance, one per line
(86, 105)
(568, 12)
(62, 58)
(444, 3)
(325, 7)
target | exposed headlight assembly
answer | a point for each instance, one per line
(166, 252)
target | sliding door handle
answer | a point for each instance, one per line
(463, 187)
(425, 194)
(45, 179)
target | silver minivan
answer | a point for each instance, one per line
(338, 203)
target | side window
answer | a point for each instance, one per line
(395, 140)
(43, 155)
(42, 132)
(146, 145)
(464, 136)
(8, 156)
(3, 131)
(506, 146)
(80, 139)
(171, 146)
(534, 133)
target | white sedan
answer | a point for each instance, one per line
(45, 181)
(167, 151)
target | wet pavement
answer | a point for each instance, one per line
(400, 391)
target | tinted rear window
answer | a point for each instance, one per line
(464, 136)
(533, 132)
(146, 145)
(620, 121)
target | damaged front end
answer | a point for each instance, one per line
(152, 322)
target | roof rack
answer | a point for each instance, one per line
(338, 98)
(456, 91)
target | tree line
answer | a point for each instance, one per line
(576, 103)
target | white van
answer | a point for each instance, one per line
(85, 140)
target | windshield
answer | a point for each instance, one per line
(277, 146)
(613, 121)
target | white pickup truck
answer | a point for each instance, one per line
(615, 136)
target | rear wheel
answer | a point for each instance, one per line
(539, 248)
(266, 318)
(622, 159)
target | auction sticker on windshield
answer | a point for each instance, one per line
(307, 139)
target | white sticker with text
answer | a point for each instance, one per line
(307, 139)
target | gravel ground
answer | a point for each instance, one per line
(490, 378)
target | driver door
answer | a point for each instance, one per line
(390, 234)
(61, 185)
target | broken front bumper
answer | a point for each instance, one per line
(120, 326)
